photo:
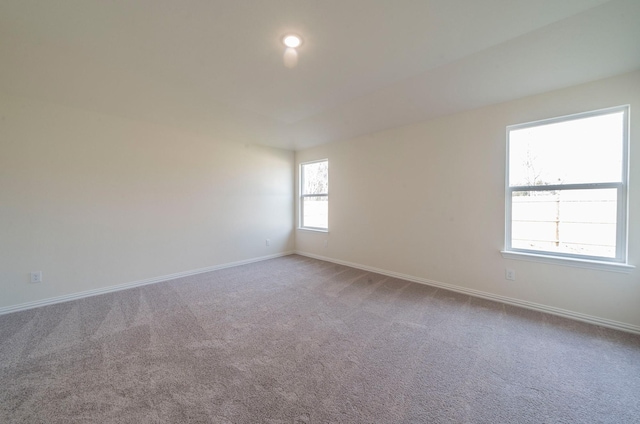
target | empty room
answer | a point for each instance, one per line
(319, 211)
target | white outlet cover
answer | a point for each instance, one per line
(36, 277)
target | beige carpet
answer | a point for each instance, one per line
(296, 340)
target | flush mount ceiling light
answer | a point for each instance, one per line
(292, 40)
(291, 54)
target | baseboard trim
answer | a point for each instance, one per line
(124, 286)
(603, 322)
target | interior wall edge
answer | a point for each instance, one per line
(132, 284)
(577, 316)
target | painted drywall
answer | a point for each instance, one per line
(93, 200)
(427, 200)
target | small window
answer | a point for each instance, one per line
(314, 195)
(566, 189)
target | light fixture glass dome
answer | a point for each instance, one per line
(292, 40)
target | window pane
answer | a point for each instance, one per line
(315, 212)
(315, 178)
(585, 150)
(578, 222)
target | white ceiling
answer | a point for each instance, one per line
(215, 67)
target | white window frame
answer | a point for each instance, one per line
(302, 197)
(619, 263)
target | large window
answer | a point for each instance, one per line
(314, 195)
(566, 192)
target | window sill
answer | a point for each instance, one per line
(573, 262)
(314, 230)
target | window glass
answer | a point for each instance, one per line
(315, 178)
(566, 190)
(314, 195)
(315, 212)
(577, 222)
(578, 151)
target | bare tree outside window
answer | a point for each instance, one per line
(316, 178)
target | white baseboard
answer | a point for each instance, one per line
(118, 287)
(629, 328)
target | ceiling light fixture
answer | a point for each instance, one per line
(290, 57)
(292, 40)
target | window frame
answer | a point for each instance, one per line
(302, 196)
(621, 259)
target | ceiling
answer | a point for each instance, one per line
(214, 67)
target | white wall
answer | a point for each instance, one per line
(427, 200)
(93, 201)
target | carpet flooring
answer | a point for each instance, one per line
(297, 340)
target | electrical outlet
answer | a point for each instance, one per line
(326, 243)
(267, 242)
(510, 274)
(36, 277)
